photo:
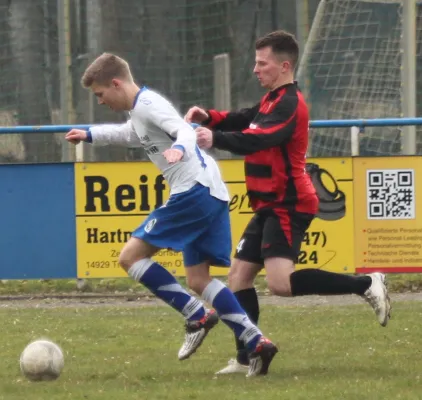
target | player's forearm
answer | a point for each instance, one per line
(245, 143)
(123, 135)
(185, 140)
(231, 121)
(233, 142)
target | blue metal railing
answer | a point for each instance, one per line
(335, 123)
(41, 128)
(362, 123)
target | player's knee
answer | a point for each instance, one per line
(280, 288)
(233, 278)
(125, 260)
(240, 276)
(128, 257)
(194, 283)
(279, 270)
(198, 277)
(197, 283)
(135, 250)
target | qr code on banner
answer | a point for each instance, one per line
(390, 194)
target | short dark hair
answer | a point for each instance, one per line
(281, 42)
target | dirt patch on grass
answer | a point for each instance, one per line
(78, 301)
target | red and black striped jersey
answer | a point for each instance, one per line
(273, 135)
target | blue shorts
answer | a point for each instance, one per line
(193, 222)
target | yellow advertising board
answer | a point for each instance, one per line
(388, 232)
(328, 244)
(112, 199)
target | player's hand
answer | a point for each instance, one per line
(204, 137)
(196, 115)
(173, 155)
(75, 136)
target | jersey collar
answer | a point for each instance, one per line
(294, 83)
(274, 93)
(143, 88)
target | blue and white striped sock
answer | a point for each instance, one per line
(231, 313)
(165, 286)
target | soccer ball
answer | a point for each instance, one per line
(42, 360)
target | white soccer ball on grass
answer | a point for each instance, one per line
(42, 360)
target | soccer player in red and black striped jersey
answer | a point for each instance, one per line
(273, 137)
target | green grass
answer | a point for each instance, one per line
(396, 282)
(93, 286)
(131, 353)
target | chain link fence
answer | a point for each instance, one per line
(45, 45)
(354, 68)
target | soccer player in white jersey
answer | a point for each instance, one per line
(194, 220)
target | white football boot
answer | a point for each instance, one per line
(377, 296)
(196, 331)
(233, 367)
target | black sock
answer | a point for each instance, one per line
(316, 281)
(248, 299)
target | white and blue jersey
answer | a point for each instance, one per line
(195, 219)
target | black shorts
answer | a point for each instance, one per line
(273, 233)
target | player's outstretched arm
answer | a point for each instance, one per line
(256, 137)
(102, 135)
(222, 120)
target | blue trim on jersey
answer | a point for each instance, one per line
(88, 136)
(178, 147)
(201, 158)
(198, 152)
(143, 88)
(173, 139)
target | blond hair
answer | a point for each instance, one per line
(105, 68)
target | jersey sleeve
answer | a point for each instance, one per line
(123, 135)
(278, 128)
(231, 121)
(162, 114)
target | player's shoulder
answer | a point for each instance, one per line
(290, 101)
(149, 97)
(152, 105)
(149, 102)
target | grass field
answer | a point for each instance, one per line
(131, 353)
(396, 283)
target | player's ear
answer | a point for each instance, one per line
(116, 83)
(286, 65)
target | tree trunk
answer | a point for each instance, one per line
(26, 21)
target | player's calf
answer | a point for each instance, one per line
(163, 284)
(261, 350)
